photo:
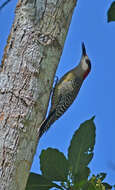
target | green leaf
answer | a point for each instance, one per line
(80, 185)
(101, 176)
(89, 186)
(80, 151)
(107, 186)
(80, 179)
(111, 12)
(81, 175)
(54, 165)
(36, 181)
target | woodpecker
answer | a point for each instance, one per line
(66, 90)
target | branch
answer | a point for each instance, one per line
(29, 64)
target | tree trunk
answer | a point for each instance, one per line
(29, 64)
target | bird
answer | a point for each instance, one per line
(66, 91)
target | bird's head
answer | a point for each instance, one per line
(85, 62)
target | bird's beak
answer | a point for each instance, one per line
(83, 49)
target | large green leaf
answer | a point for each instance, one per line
(80, 179)
(80, 151)
(81, 175)
(101, 176)
(39, 182)
(93, 186)
(111, 12)
(54, 165)
(107, 186)
(89, 186)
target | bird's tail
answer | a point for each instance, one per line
(46, 123)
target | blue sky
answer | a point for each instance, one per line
(97, 95)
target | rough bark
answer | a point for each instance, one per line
(30, 60)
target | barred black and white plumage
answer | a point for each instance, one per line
(66, 90)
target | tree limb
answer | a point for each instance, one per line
(29, 64)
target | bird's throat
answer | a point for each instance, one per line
(86, 73)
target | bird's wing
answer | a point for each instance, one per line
(46, 123)
(60, 92)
